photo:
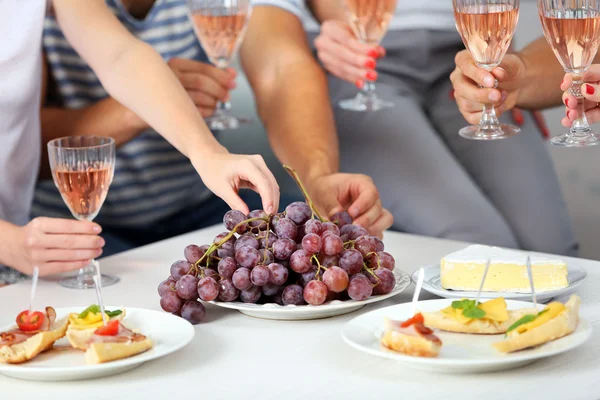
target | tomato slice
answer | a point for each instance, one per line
(417, 318)
(110, 329)
(30, 320)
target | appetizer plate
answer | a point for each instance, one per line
(330, 309)
(432, 284)
(461, 353)
(63, 363)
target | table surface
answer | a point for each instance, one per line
(234, 356)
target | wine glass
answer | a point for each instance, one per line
(487, 28)
(220, 26)
(82, 169)
(369, 20)
(572, 29)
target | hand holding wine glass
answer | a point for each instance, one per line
(590, 91)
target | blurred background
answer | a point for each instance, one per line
(576, 168)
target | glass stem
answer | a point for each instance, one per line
(368, 89)
(223, 107)
(489, 120)
(86, 274)
(580, 126)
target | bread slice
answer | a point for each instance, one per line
(98, 353)
(413, 344)
(80, 338)
(36, 344)
(562, 325)
(437, 320)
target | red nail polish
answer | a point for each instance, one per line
(452, 95)
(371, 75)
(373, 53)
(546, 133)
(370, 64)
(589, 89)
(519, 120)
(359, 83)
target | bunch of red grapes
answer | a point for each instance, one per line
(289, 258)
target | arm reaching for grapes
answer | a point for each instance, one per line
(591, 94)
(136, 76)
(299, 119)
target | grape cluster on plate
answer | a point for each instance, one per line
(289, 258)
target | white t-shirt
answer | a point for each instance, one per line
(20, 82)
(410, 14)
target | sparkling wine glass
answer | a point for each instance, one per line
(369, 20)
(220, 26)
(572, 29)
(487, 28)
(83, 169)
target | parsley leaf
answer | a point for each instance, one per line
(474, 312)
(524, 320)
(113, 313)
(463, 304)
(94, 308)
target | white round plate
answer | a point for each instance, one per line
(330, 309)
(460, 353)
(432, 284)
(64, 363)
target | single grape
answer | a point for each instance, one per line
(315, 293)
(345, 238)
(330, 227)
(329, 261)
(387, 281)
(251, 295)
(336, 279)
(193, 253)
(270, 289)
(241, 279)
(313, 226)
(351, 261)
(211, 273)
(259, 275)
(170, 302)
(221, 236)
(379, 246)
(341, 218)
(357, 231)
(266, 239)
(247, 256)
(332, 245)
(360, 288)
(283, 248)
(300, 261)
(386, 260)
(258, 225)
(246, 239)
(365, 244)
(266, 257)
(227, 267)
(233, 218)
(311, 243)
(193, 312)
(227, 292)
(179, 269)
(208, 289)
(293, 294)
(224, 253)
(307, 277)
(299, 212)
(187, 287)
(275, 220)
(286, 228)
(278, 274)
(168, 285)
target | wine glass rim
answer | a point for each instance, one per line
(108, 142)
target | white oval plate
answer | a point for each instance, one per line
(460, 353)
(331, 309)
(432, 284)
(63, 363)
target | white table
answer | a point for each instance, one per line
(238, 357)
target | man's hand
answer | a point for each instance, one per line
(468, 77)
(205, 84)
(352, 192)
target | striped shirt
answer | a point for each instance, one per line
(410, 14)
(152, 179)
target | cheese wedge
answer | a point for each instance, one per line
(463, 270)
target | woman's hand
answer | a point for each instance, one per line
(591, 94)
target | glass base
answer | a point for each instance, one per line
(365, 103)
(475, 132)
(587, 138)
(225, 122)
(74, 282)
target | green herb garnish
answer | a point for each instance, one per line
(94, 308)
(463, 304)
(542, 312)
(113, 313)
(525, 320)
(469, 308)
(474, 312)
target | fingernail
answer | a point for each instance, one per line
(545, 133)
(353, 212)
(519, 119)
(381, 50)
(101, 242)
(504, 95)
(494, 96)
(589, 89)
(373, 53)
(359, 83)
(452, 95)
(488, 81)
(232, 85)
(270, 210)
(370, 64)
(98, 252)
(96, 228)
(371, 75)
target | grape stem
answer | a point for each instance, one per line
(376, 255)
(294, 175)
(319, 266)
(348, 243)
(370, 271)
